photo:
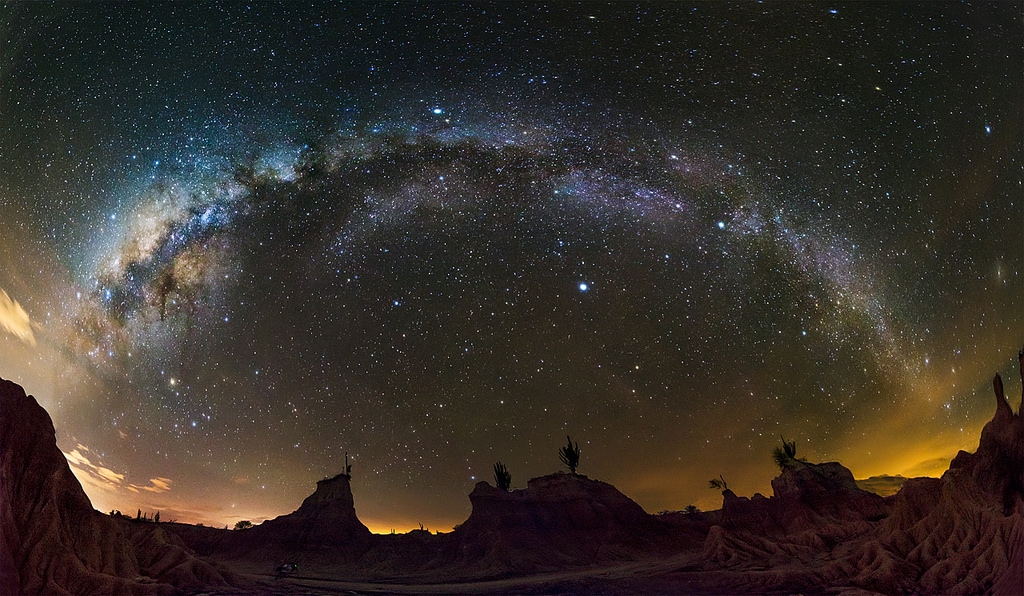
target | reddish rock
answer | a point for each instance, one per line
(965, 531)
(815, 494)
(54, 542)
(51, 539)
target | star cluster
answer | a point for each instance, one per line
(243, 241)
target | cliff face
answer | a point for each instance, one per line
(51, 539)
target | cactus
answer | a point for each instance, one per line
(570, 455)
(785, 456)
(502, 477)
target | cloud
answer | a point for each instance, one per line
(99, 476)
(15, 320)
(157, 485)
(96, 474)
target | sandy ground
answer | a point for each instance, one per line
(616, 579)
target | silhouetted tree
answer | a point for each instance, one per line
(718, 483)
(156, 518)
(570, 455)
(691, 509)
(243, 524)
(138, 515)
(785, 455)
(348, 468)
(502, 477)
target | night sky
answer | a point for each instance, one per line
(238, 241)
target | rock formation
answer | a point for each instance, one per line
(51, 539)
(558, 520)
(959, 534)
(54, 542)
(326, 517)
(813, 508)
(964, 533)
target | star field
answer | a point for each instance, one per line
(243, 240)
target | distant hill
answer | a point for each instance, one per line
(883, 485)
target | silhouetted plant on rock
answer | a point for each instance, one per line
(785, 456)
(691, 509)
(348, 468)
(570, 455)
(718, 483)
(243, 524)
(502, 477)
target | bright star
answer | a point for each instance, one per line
(583, 286)
(721, 225)
(437, 111)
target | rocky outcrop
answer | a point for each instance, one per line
(806, 497)
(813, 508)
(818, 532)
(326, 517)
(810, 495)
(54, 541)
(51, 539)
(558, 520)
(964, 533)
(959, 534)
(557, 503)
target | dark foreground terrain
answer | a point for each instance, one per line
(818, 533)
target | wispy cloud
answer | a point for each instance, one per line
(156, 485)
(109, 490)
(15, 320)
(95, 474)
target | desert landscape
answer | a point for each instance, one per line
(304, 297)
(565, 533)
